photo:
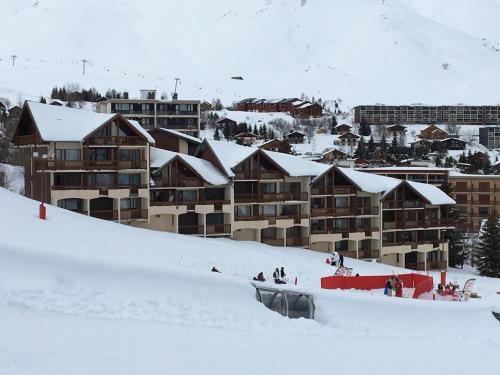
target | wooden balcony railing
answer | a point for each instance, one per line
(191, 229)
(368, 254)
(24, 140)
(418, 224)
(271, 197)
(273, 241)
(322, 190)
(178, 182)
(133, 213)
(46, 164)
(344, 190)
(297, 241)
(133, 188)
(115, 141)
(403, 204)
(344, 211)
(253, 174)
(315, 212)
(218, 229)
(104, 214)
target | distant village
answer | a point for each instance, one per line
(286, 172)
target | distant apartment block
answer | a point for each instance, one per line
(295, 107)
(150, 112)
(489, 137)
(460, 114)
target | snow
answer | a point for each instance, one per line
(370, 183)
(296, 166)
(230, 154)
(187, 137)
(101, 297)
(57, 123)
(431, 193)
(205, 169)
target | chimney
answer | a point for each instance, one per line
(125, 95)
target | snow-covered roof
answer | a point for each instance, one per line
(431, 193)
(230, 154)
(296, 166)
(57, 123)
(370, 183)
(176, 133)
(205, 169)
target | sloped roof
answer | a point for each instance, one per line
(230, 154)
(431, 193)
(205, 169)
(175, 133)
(370, 183)
(294, 133)
(349, 135)
(296, 166)
(56, 123)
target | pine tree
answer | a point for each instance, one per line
(264, 132)
(438, 161)
(487, 256)
(216, 134)
(255, 131)
(42, 100)
(271, 134)
(371, 148)
(333, 124)
(54, 94)
(360, 152)
(364, 128)
(226, 131)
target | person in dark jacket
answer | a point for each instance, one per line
(276, 277)
(282, 273)
(215, 269)
(260, 277)
(341, 260)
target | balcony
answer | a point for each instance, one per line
(115, 141)
(270, 197)
(322, 190)
(344, 211)
(367, 211)
(368, 254)
(218, 229)
(254, 174)
(250, 218)
(177, 113)
(403, 204)
(418, 224)
(133, 188)
(297, 241)
(328, 211)
(348, 254)
(104, 214)
(24, 140)
(436, 265)
(416, 266)
(61, 165)
(344, 190)
(191, 229)
(178, 181)
(133, 213)
(273, 241)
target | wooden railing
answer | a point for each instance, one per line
(133, 188)
(296, 242)
(191, 229)
(416, 266)
(322, 190)
(315, 212)
(133, 213)
(88, 164)
(270, 197)
(115, 140)
(23, 140)
(253, 174)
(104, 214)
(403, 204)
(178, 182)
(218, 229)
(418, 224)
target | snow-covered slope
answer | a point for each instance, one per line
(364, 51)
(97, 297)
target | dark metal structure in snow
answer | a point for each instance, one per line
(290, 303)
(496, 315)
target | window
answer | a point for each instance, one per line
(340, 224)
(101, 179)
(269, 210)
(129, 179)
(67, 179)
(68, 154)
(130, 203)
(341, 246)
(317, 225)
(71, 204)
(484, 211)
(243, 211)
(100, 154)
(122, 107)
(290, 210)
(461, 198)
(215, 219)
(127, 154)
(341, 202)
(269, 233)
(188, 195)
(268, 188)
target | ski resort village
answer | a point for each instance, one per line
(273, 190)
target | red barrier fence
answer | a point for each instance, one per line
(421, 283)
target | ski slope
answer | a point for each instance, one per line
(82, 295)
(363, 51)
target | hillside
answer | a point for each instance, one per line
(363, 51)
(99, 297)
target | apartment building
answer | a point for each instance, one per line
(104, 165)
(295, 107)
(434, 176)
(489, 136)
(420, 114)
(95, 164)
(150, 112)
(477, 197)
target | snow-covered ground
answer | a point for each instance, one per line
(87, 296)
(432, 51)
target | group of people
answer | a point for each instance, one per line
(448, 290)
(393, 287)
(337, 259)
(279, 276)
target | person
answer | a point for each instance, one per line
(260, 277)
(398, 286)
(334, 258)
(341, 259)
(215, 269)
(282, 273)
(276, 277)
(357, 275)
(440, 289)
(388, 287)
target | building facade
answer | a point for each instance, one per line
(489, 136)
(420, 114)
(179, 115)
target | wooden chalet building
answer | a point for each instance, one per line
(246, 138)
(342, 129)
(175, 141)
(294, 137)
(349, 140)
(432, 132)
(452, 143)
(276, 145)
(332, 155)
(395, 131)
(95, 164)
